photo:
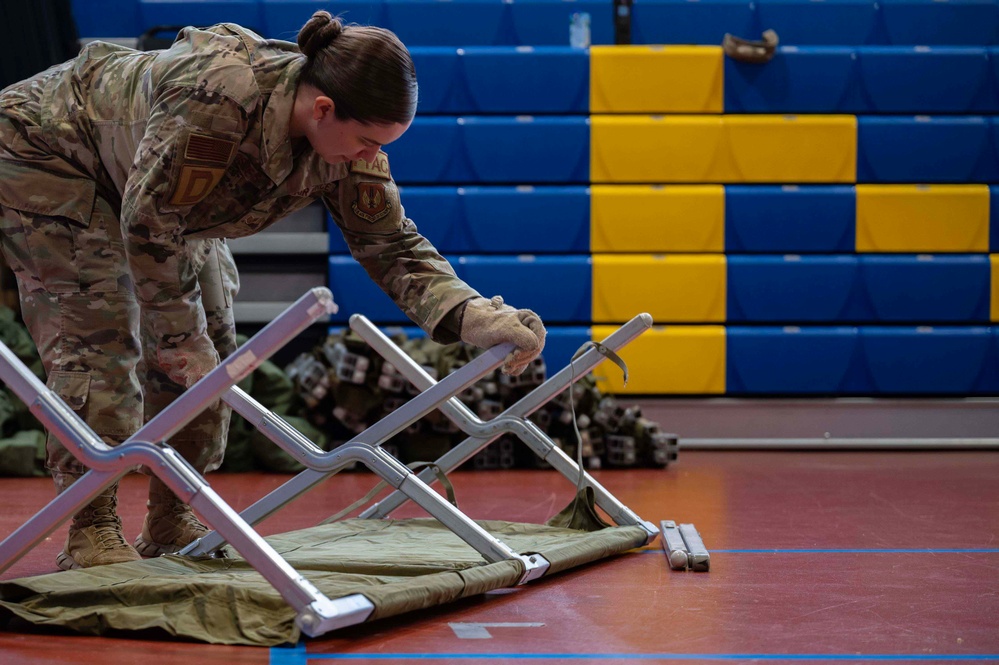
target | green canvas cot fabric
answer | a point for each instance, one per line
(399, 565)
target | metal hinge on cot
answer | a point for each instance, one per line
(684, 547)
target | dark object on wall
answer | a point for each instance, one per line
(34, 35)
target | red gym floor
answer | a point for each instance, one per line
(816, 557)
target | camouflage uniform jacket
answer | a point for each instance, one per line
(193, 142)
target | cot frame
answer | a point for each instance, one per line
(316, 614)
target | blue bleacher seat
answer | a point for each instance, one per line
(429, 152)
(816, 360)
(817, 79)
(449, 23)
(246, 13)
(560, 345)
(928, 360)
(558, 288)
(527, 79)
(927, 80)
(521, 220)
(356, 293)
(928, 288)
(106, 18)
(823, 22)
(793, 289)
(868, 79)
(514, 150)
(546, 22)
(502, 79)
(925, 149)
(283, 18)
(790, 219)
(439, 78)
(941, 22)
(484, 220)
(686, 22)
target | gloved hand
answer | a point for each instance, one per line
(188, 361)
(486, 323)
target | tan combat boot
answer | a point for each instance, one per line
(170, 525)
(95, 537)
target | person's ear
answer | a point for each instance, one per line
(322, 107)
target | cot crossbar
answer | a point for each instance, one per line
(513, 420)
(315, 613)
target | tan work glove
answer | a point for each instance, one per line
(486, 323)
(189, 361)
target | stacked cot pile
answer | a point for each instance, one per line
(820, 224)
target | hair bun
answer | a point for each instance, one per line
(318, 33)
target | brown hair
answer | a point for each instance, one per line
(366, 71)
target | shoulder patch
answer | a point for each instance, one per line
(204, 161)
(378, 168)
(371, 203)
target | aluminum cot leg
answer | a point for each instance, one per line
(512, 420)
(316, 613)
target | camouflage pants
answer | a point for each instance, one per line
(78, 303)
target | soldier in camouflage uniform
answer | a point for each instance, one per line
(121, 174)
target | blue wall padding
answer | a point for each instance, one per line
(284, 18)
(931, 22)
(494, 22)
(246, 13)
(512, 150)
(790, 219)
(683, 22)
(502, 79)
(870, 288)
(925, 360)
(558, 288)
(512, 220)
(831, 22)
(106, 18)
(925, 150)
(560, 345)
(926, 289)
(815, 360)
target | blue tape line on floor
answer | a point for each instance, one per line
(900, 550)
(644, 656)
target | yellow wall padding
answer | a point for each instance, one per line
(668, 360)
(922, 218)
(656, 79)
(723, 149)
(994, 304)
(673, 288)
(653, 218)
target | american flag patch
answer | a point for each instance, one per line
(201, 148)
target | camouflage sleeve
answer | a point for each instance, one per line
(387, 244)
(190, 140)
